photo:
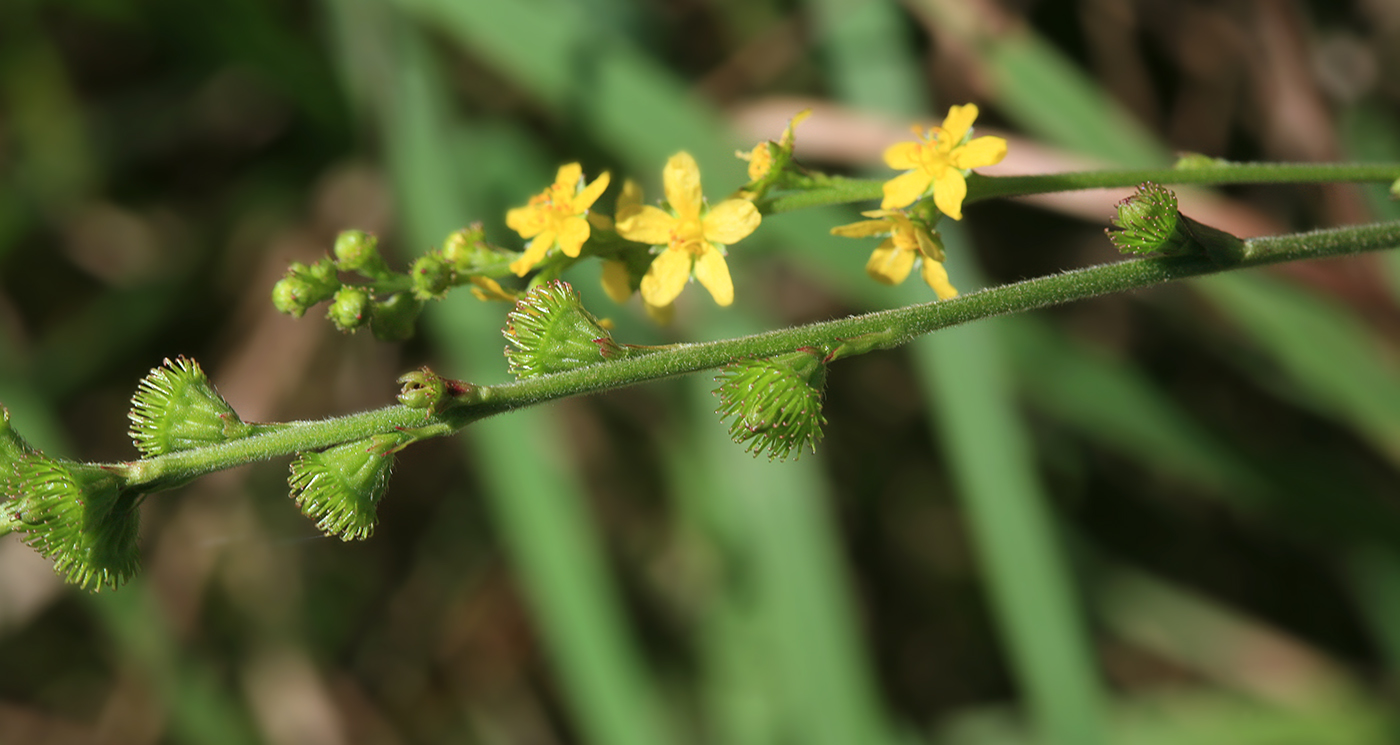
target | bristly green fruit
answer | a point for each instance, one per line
(176, 408)
(340, 488)
(78, 516)
(550, 331)
(776, 403)
(1148, 222)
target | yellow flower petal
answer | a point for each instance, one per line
(616, 281)
(666, 277)
(646, 224)
(486, 288)
(713, 273)
(929, 245)
(960, 119)
(681, 177)
(789, 133)
(572, 233)
(862, 229)
(889, 265)
(760, 161)
(902, 156)
(731, 221)
(568, 176)
(937, 277)
(905, 189)
(982, 151)
(948, 192)
(533, 253)
(525, 221)
(590, 194)
(629, 201)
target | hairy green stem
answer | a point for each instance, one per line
(889, 328)
(838, 190)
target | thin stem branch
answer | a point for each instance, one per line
(889, 328)
(840, 190)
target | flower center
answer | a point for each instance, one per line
(688, 233)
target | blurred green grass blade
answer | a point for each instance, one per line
(586, 75)
(786, 551)
(1115, 404)
(868, 57)
(200, 710)
(1042, 91)
(1370, 133)
(540, 510)
(992, 461)
(994, 470)
(1320, 355)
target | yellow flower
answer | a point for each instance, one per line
(761, 157)
(692, 237)
(908, 241)
(556, 215)
(485, 288)
(939, 161)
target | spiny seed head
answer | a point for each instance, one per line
(78, 516)
(550, 331)
(775, 403)
(176, 408)
(340, 488)
(1148, 222)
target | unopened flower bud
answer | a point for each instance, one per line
(431, 276)
(304, 286)
(466, 249)
(350, 308)
(358, 251)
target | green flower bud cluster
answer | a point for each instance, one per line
(386, 301)
(775, 403)
(550, 331)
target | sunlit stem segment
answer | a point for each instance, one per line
(880, 330)
(839, 190)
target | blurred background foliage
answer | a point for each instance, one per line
(1164, 518)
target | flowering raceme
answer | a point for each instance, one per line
(907, 241)
(938, 161)
(690, 236)
(556, 216)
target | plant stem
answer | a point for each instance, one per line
(891, 328)
(840, 190)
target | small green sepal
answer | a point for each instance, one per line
(340, 488)
(550, 331)
(775, 403)
(393, 319)
(176, 408)
(78, 516)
